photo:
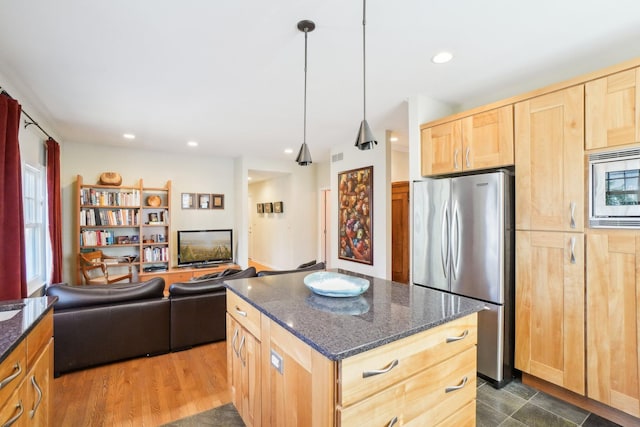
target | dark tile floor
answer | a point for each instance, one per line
(513, 405)
(519, 405)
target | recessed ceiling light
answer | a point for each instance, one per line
(192, 144)
(129, 136)
(393, 139)
(249, 178)
(288, 151)
(442, 57)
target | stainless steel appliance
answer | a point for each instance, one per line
(463, 243)
(614, 189)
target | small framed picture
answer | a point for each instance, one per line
(268, 207)
(278, 207)
(153, 217)
(260, 208)
(122, 240)
(203, 201)
(217, 201)
(134, 239)
(187, 200)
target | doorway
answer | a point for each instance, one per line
(400, 231)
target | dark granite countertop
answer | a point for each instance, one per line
(342, 327)
(17, 318)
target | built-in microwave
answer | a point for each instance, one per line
(614, 189)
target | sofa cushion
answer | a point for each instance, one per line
(195, 287)
(318, 266)
(70, 296)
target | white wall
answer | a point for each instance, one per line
(399, 165)
(380, 158)
(298, 230)
(188, 173)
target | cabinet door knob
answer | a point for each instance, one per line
(455, 159)
(461, 337)
(393, 364)
(457, 387)
(17, 371)
(466, 157)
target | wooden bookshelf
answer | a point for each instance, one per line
(125, 220)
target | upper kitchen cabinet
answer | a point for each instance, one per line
(613, 320)
(487, 139)
(481, 141)
(441, 147)
(549, 153)
(612, 115)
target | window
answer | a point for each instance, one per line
(33, 198)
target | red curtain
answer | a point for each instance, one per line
(12, 248)
(55, 210)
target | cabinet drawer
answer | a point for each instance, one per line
(39, 338)
(244, 313)
(427, 398)
(14, 410)
(409, 355)
(14, 363)
(463, 417)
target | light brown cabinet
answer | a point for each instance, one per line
(612, 115)
(480, 141)
(425, 379)
(244, 359)
(550, 307)
(549, 158)
(613, 321)
(25, 398)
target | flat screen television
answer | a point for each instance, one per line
(204, 247)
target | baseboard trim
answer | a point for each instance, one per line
(583, 402)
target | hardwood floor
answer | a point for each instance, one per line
(147, 391)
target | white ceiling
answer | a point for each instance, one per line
(230, 74)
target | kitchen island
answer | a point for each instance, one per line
(26, 361)
(396, 355)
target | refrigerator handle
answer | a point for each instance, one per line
(456, 248)
(444, 243)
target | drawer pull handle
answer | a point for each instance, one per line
(32, 412)
(393, 422)
(455, 159)
(457, 387)
(367, 374)
(461, 337)
(20, 409)
(466, 157)
(18, 370)
(573, 250)
(240, 312)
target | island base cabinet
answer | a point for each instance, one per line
(613, 297)
(429, 397)
(297, 380)
(243, 372)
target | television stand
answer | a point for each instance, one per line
(184, 274)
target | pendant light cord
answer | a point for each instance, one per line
(304, 137)
(364, 67)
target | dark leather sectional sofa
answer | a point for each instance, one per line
(100, 324)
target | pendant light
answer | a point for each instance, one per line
(304, 157)
(365, 139)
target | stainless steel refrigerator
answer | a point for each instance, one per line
(463, 243)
